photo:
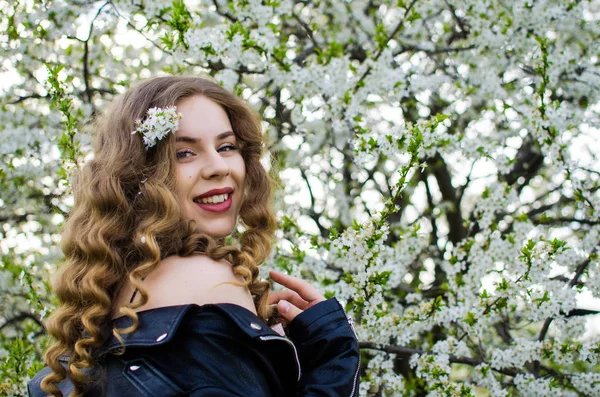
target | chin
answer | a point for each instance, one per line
(218, 231)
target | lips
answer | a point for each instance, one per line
(214, 192)
(215, 207)
(215, 199)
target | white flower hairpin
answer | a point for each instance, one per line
(157, 124)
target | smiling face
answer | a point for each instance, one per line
(210, 170)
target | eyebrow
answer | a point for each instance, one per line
(190, 139)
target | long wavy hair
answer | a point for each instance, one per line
(126, 193)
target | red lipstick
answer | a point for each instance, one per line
(225, 190)
(219, 207)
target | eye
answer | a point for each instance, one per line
(227, 147)
(183, 154)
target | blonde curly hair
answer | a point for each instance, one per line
(101, 239)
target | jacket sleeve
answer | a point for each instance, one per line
(328, 351)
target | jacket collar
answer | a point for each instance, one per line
(159, 326)
(155, 327)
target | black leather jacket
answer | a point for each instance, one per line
(225, 350)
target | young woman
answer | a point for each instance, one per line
(152, 301)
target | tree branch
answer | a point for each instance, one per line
(578, 272)
(444, 180)
(407, 352)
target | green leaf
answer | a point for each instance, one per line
(380, 278)
(381, 37)
(470, 319)
(180, 20)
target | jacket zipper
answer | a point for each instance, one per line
(289, 342)
(355, 376)
(351, 322)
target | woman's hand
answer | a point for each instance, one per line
(299, 297)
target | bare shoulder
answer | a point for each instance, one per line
(195, 279)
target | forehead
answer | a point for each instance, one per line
(202, 116)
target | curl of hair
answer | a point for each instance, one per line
(126, 193)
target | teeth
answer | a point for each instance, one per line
(216, 199)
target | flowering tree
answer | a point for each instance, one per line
(438, 162)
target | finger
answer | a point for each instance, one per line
(290, 296)
(304, 289)
(287, 310)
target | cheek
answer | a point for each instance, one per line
(238, 168)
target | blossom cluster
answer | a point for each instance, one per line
(157, 124)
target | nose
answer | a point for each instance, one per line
(215, 166)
